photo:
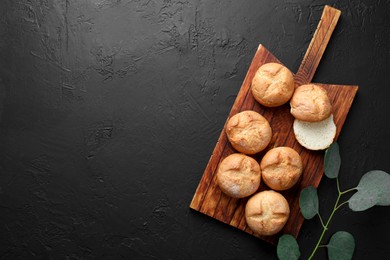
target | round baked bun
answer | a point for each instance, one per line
(248, 132)
(310, 103)
(238, 175)
(267, 212)
(281, 168)
(273, 85)
(315, 135)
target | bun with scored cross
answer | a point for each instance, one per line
(267, 212)
(310, 103)
(281, 168)
(248, 132)
(273, 85)
(238, 175)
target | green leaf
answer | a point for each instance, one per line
(373, 189)
(384, 199)
(308, 202)
(288, 248)
(332, 161)
(341, 246)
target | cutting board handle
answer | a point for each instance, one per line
(325, 28)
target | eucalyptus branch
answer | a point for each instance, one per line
(325, 228)
(372, 190)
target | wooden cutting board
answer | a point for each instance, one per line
(209, 199)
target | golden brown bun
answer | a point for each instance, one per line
(248, 132)
(238, 175)
(273, 85)
(267, 212)
(310, 103)
(281, 168)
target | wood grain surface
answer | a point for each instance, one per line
(210, 200)
(316, 49)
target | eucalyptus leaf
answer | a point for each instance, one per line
(373, 189)
(384, 199)
(308, 202)
(341, 246)
(288, 248)
(332, 161)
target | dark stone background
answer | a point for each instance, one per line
(110, 109)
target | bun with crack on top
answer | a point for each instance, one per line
(310, 103)
(281, 168)
(273, 85)
(238, 175)
(248, 132)
(267, 212)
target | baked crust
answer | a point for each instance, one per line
(238, 175)
(267, 212)
(281, 168)
(310, 103)
(273, 85)
(248, 132)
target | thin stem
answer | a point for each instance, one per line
(349, 190)
(322, 222)
(338, 184)
(325, 227)
(341, 204)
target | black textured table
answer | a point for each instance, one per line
(110, 109)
